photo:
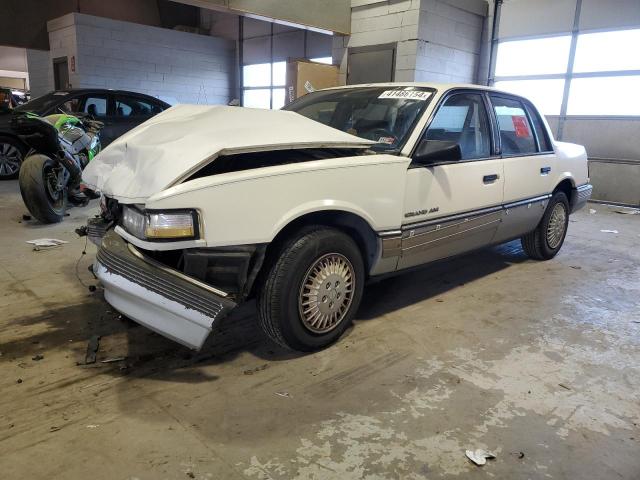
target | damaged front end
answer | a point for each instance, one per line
(158, 297)
(179, 293)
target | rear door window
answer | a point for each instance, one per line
(516, 132)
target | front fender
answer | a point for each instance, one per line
(253, 208)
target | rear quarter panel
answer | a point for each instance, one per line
(252, 206)
(571, 163)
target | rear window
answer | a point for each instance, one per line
(42, 104)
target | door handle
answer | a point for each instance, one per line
(490, 178)
(545, 170)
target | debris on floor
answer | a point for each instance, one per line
(479, 456)
(592, 211)
(26, 217)
(39, 243)
(284, 394)
(92, 350)
(564, 386)
(37, 358)
(251, 371)
(609, 231)
(520, 455)
(113, 360)
(627, 211)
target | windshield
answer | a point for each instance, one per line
(42, 104)
(385, 115)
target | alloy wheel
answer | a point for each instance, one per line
(557, 225)
(10, 158)
(326, 293)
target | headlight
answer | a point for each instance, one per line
(169, 225)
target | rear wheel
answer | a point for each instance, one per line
(313, 290)
(547, 239)
(11, 155)
(41, 193)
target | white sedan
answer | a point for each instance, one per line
(300, 207)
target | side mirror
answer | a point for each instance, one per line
(432, 151)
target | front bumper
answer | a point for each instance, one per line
(158, 297)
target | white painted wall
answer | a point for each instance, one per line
(172, 65)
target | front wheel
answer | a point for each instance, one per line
(313, 289)
(45, 199)
(547, 239)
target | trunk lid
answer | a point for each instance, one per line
(179, 141)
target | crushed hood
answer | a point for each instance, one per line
(179, 141)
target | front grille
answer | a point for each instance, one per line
(169, 286)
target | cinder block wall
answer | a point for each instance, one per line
(40, 72)
(175, 66)
(435, 39)
(448, 45)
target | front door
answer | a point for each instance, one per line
(454, 206)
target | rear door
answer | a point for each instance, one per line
(454, 206)
(529, 161)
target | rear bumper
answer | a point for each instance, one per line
(580, 196)
(162, 299)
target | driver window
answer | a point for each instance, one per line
(462, 119)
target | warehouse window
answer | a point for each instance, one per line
(533, 57)
(545, 94)
(264, 85)
(607, 51)
(327, 60)
(605, 96)
(601, 78)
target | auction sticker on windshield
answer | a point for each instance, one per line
(407, 94)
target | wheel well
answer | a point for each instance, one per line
(566, 187)
(351, 224)
(16, 139)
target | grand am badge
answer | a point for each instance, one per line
(417, 213)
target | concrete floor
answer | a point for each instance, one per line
(490, 350)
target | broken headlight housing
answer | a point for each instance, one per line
(160, 225)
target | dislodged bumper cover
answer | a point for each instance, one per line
(169, 147)
(162, 299)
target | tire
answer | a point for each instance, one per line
(12, 151)
(35, 193)
(547, 239)
(288, 309)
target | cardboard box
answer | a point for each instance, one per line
(304, 76)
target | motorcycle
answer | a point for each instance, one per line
(61, 146)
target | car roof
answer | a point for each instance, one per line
(109, 90)
(436, 86)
